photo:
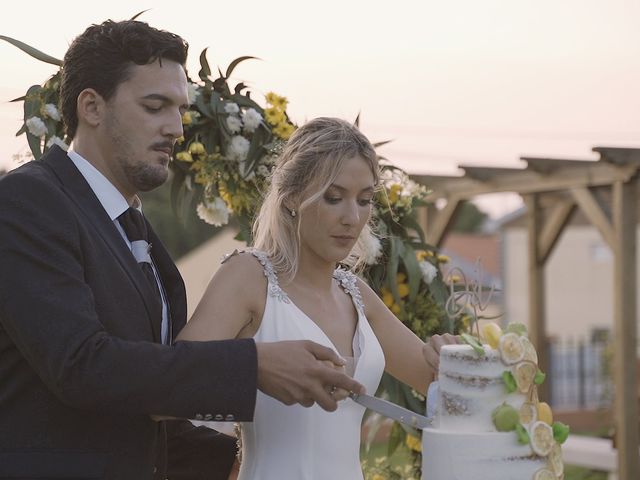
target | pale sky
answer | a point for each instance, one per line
(479, 82)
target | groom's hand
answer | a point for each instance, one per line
(295, 372)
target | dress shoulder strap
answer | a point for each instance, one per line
(269, 272)
(349, 283)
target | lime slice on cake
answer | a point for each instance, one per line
(529, 350)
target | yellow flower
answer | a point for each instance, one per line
(184, 156)
(284, 130)
(455, 279)
(187, 119)
(276, 100)
(414, 443)
(394, 192)
(180, 140)
(401, 277)
(274, 116)
(377, 476)
(396, 309)
(443, 258)
(387, 297)
(197, 148)
(403, 290)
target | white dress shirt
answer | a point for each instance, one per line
(115, 205)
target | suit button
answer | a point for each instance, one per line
(219, 418)
(208, 416)
(230, 418)
(199, 416)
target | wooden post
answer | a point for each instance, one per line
(625, 328)
(537, 310)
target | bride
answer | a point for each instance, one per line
(287, 287)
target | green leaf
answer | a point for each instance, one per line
(235, 63)
(397, 249)
(560, 432)
(540, 377)
(509, 381)
(414, 273)
(474, 342)
(396, 438)
(139, 13)
(205, 70)
(34, 52)
(35, 144)
(523, 435)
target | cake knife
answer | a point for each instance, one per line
(391, 410)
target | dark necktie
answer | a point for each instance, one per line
(134, 226)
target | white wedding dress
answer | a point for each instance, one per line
(298, 443)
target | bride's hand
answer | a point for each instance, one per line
(431, 350)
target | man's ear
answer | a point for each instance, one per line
(91, 107)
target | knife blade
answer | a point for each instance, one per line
(391, 410)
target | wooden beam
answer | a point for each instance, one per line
(625, 329)
(553, 228)
(537, 308)
(527, 181)
(589, 205)
(442, 222)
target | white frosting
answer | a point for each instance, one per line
(471, 387)
(478, 456)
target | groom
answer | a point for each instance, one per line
(86, 351)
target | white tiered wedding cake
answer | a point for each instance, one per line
(489, 423)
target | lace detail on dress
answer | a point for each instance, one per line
(273, 287)
(348, 282)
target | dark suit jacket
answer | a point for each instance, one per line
(81, 367)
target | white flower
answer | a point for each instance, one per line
(231, 108)
(251, 119)
(57, 141)
(262, 170)
(36, 126)
(193, 92)
(52, 112)
(234, 124)
(214, 213)
(371, 248)
(238, 148)
(429, 271)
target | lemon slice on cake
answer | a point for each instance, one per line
(528, 413)
(542, 440)
(511, 348)
(555, 460)
(524, 373)
(491, 332)
(544, 474)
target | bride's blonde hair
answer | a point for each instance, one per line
(308, 165)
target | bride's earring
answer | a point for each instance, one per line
(293, 212)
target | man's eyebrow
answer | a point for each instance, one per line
(343, 189)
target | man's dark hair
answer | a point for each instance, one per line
(101, 57)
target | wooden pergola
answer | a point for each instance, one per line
(606, 191)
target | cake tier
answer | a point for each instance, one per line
(478, 456)
(471, 387)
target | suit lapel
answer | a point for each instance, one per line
(82, 195)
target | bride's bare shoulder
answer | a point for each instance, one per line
(244, 268)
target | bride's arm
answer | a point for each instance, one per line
(405, 354)
(232, 304)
